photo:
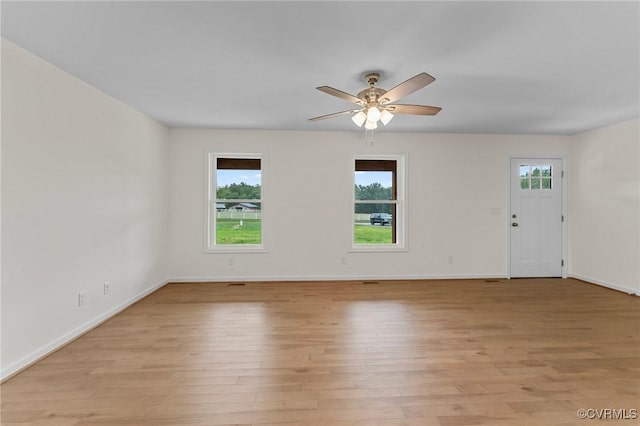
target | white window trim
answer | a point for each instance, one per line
(211, 159)
(401, 206)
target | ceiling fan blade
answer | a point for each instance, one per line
(335, 114)
(413, 109)
(340, 94)
(403, 89)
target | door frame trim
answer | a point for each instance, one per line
(564, 208)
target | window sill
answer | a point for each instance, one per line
(378, 249)
(231, 249)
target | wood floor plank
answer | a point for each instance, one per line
(399, 353)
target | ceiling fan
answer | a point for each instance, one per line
(376, 104)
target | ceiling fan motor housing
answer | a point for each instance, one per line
(372, 95)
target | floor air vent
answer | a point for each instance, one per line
(370, 282)
(235, 284)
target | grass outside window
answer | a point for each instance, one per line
(368, 234)
(238, 231)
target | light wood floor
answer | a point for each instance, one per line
(416, 353)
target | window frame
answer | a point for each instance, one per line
(210, 198)
(400, 219)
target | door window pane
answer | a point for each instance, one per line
(535, 182)
(536, 176)
(524, 176)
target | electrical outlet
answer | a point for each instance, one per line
(231, 261)
(82, 298)
(107, 287)
(343, 261)
(450, 259)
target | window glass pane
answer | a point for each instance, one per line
(546, 183)
(535, 177)
(524, 176)
(535, 170)
(373, 185)
(376, 183)
(366, 208)
(373, 223)
(238, 223)
(238, 184)
(235, 209)
(535, 182)
(546, 170)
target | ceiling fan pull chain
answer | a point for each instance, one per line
(368, 136)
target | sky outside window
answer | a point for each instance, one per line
(227, 177)
(367, 178)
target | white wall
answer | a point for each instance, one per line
(454, 183)
(604, 222)
(84, 201)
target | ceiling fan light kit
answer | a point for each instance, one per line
(385, 116)
(373, 114)
(376, 104)
(359, 118)
(371, 125)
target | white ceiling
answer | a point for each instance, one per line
(500, 67)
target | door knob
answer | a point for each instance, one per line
(514, 224)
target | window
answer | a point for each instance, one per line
(378, 208)
(534, 176)
(234, 202)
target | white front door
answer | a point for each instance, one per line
(536, 217)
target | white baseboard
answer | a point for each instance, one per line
(53, 346)
(333, 278)
(605, 284)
